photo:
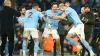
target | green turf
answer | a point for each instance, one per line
(51, 55)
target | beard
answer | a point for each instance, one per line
(23, 13)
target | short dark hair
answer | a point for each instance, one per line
(54, 3)
(87, 6)
(35, 4)
(21, 8)
(68, 1)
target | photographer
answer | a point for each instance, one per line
(96, 40)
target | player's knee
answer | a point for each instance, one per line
(69, 35)
(44, 39)
(58, 42)
(24, 38)
(36, 39)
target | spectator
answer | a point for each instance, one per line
(28, 4)
(20, 2)
(62, 1)
(7, 28)
(96, 40)
(88, 20)
(41, 4)
(76, 6)
(83, 2)
(1, 4)
(48, 4)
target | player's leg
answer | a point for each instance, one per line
(42, 44)
(36, 43)
(34, 34)
(25, 41)
(69, 36)
(57, 38)
(81, 35)
(24, 46)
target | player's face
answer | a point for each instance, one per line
(62, 9)
(54, 8)
(23, 11)
(67, 4)
(37, 7)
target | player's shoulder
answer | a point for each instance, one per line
(69, 8)
(38, 12)
(21, 17)
(48, 10)
(30, 10)
(59, 12)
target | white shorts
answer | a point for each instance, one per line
(54, 33)
(30, 32)
(79, 30)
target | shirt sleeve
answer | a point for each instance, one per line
(16, 13)
(45, 14)
(19, 21)
(60, 12)
(26, 15)
(40, 15)
(67, 11)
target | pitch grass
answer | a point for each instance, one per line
(51, 55)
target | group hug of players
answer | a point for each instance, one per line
(29, 21)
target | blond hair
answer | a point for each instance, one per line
(6, 2)
(61, 4)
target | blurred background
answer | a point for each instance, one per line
(45, 4)
(76, 5)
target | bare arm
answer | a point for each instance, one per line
(60, 17)
(44, 18)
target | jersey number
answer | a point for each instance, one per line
(30, 15)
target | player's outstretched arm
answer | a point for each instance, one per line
(60, 17)
(44, 18)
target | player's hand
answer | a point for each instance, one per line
(51, 16)
(22, 24)
(49, 27)
(43, 12)
(55, 17)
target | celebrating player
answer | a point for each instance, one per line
(54, 25)
(78, 27)
(31, 24)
